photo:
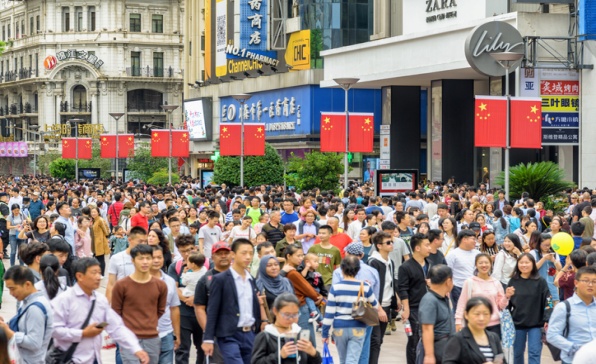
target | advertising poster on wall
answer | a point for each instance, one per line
(197, 118)
(390, 182)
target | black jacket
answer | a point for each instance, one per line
(266, 348)
(462, 348)
(223, 311)
(411, 281)
(381, 267)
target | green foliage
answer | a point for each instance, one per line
(267, 169)
(538, 179)
(2, 47)
(556, 203)
(44, 159)
(62, 168)
(321, 170)
(316, 46)
(144, 165)
(104, 164)
(161, 177)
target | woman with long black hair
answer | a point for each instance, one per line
(51, 284)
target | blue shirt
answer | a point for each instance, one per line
(288, 218)
(366, 273)
(35, 208)
(582, 325)
(69, 234)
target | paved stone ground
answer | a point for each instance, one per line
(393, 348)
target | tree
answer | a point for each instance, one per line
(321, 170)
(62, 168)
(538, 179)
(267, 169)
(161, 177)
(44, 159)
(144, 165)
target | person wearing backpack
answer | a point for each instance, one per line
(15, 222)
(33, 324)
(254, 210)
(571, 324)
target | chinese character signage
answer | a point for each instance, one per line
(559, 90)
(253, 34)
(58, 131)
(72, 54)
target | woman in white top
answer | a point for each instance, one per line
(449, 227)
(244, 231)
(506, 259)
(51, 284)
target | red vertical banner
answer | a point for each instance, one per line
(490, 122)
(526, 122)
(254, 139)
(333, 132)
(180, 143)
(361, 132)
(229, 139)
(69, 149)
(160, 143)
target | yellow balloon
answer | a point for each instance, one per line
(562, 243)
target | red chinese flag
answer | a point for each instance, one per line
(526, 122)
(229, 139)
(180, 143)
(333, 132)
(160, 146)
(254, 139)
(361, 133)
(126, 145)
(69, 149)
(490, 122)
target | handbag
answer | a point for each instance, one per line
(327, 358)
(363, 311)
(58, 356)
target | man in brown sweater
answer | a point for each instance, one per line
(140, 299)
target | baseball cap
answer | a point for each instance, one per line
(219, 246)
(355, 248)
(474, 226)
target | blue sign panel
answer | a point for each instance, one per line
(555, 136)
(253, 32)
(560, 120)
(296, 111)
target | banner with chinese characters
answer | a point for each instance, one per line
(559, 91)
(58, 131)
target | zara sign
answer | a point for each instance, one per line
(492, 37)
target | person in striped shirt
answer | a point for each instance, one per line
(348, 334)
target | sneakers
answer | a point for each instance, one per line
(392, 325)
(313, 317)
(388, 331)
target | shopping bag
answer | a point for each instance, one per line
(327, 358)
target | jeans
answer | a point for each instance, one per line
(166, 355)
(413, 340)
(305, 325)
(376, 340)
(534, 338)
(190, 332)
(151, 346)
(365, 353)
(313, 308)
(15, 244)
(237, 349)
(455, 293)
(349, 342)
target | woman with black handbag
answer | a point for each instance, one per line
(349, 307)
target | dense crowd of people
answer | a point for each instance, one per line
(250, 275)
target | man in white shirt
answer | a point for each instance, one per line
(462, 262)
(15, 198)
(357, 225)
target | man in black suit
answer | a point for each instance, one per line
(501, 201)
(234, 311)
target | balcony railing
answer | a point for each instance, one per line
(81, 107)
(144, 106)
(21, 74)
(149, 72)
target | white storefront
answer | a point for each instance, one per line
(85, 60)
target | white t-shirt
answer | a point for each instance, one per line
(238, 233)
(210, 236)
(121, 265)
(462, 262)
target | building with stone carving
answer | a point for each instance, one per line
(84, 60)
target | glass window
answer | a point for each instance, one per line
(38, 23)
(31, 29)
(23, 31)
(157, 23)
(157, 64)
(91, 19)
(17, 33)
(3, 32)
(135, 22)
(9, 33)
(135, 63)
(65, 19)
(79, 19)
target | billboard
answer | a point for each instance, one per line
(197, 117)
(298, 50)
(390, 182)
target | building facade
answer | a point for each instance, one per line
(85, 60)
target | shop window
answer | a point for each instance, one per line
(91, 18)
(65, 19)
(135, 22)
(157, 64)
(135, 63)
(157, 23)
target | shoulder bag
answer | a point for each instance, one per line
(363, 311)
(58, 356)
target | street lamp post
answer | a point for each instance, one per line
(346, 84)
(242, 99)
(508, 61)
(35, 128)
(169, 109)
(117, 116)
(76, 123)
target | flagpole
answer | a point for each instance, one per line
(169, 109)
(346, 84)
(76, 123)
(242, 99)
(508, 61)
(117, 116)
